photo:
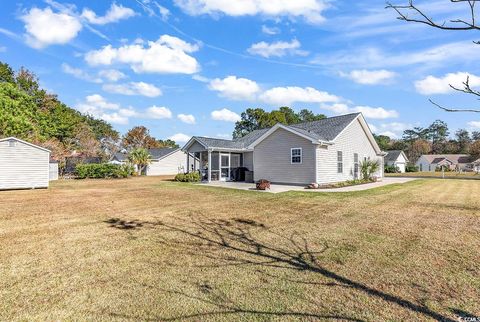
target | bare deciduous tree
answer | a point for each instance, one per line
(412, 13)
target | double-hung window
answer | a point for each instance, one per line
(296, 155)
(339, 161)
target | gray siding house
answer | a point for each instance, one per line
(23, 165)
(325, 151)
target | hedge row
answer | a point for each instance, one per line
(103, 171)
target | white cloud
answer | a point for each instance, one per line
(310, 10)
(277, 49)
(235, 88)
(112, 75)
(367, 111)
(283, 96)
(441, 85)
(225, 115)
(167, 55)
(99, 107)
(158, 113)
(180, 137)
(80, 74)
(133, 88)
(45, 27)
(114, 14)
(393, 129)
(200, 78)
(270, 30)
(474, 124)
(186, 118)
(370, 77)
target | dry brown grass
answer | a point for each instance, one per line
(143, 249)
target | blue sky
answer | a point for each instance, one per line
(190, 67)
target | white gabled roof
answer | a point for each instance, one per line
(25, 142)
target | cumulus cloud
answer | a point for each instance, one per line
(186, 118)
(225, 115)
(156, 112)
(114, 14)
(370, 77)
(474, 124)
(167, 55)
(235, 88)
(277, 49)
(133, 88)
(111, 75)
(97, 106)
(45, 27)
(367, 111)
(441, 85)
(310, 10)
(180, 137)
(282, 96)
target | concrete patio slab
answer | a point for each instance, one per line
(276, 188)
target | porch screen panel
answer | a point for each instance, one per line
(215, 161)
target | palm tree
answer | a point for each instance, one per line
(139, 157)
(368, 168)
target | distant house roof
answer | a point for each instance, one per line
(393, 155)
(453, 158)
(159, 153)
(323, 130)
(121, 157)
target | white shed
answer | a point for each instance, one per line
(23, 165)
(398, 159)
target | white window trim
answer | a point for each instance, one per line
(291, 156)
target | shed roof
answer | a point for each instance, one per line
(25, 142)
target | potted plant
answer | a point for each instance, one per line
(263, 184)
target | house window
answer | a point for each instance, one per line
(340, 161)
(296, 155)
(355, 166)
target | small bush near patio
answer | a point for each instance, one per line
(188, 177)
(348, 183)
(103, 171)
(263, 184)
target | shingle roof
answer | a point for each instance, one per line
(323, 130)
(120, 156)
(393, 155)
(454, 158)
(159, 153)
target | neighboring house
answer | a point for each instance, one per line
(164, 161)
(476, 166)
(454, 162)
(325, 151)
(398, 159)
(23, 165)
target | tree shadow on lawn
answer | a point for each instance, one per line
(232, 243)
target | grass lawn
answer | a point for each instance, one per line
(143, 249)
(466, 175)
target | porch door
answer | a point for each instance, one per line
(224, 166)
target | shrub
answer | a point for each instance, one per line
(411, 168)
(103, 171)
(391, 169)
(368, 168)
(263, 184)
(188, 177)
